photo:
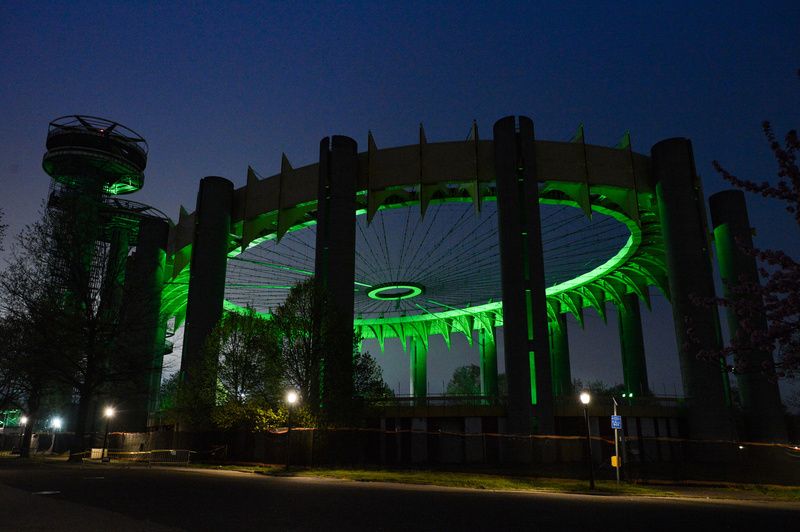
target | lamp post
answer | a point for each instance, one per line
(55, 424)
(23, 421)
(108, 413)
(585, 399)
(616, 441)
(291, 400)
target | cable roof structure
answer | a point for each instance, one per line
(407, 265)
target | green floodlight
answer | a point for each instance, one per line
(395, 291)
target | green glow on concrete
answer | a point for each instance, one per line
(529, 313)
(261, 286)
(399, 291)
(626, 256)
(488, 362)
(273, 266)
(559, 356)
(419, 367)
(532, 364)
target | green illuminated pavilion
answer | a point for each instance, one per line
(463, 237)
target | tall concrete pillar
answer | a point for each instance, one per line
(525, 336)
(683, 222)
(755, 376)
(631, 343)
(486, 341)
(419, 368)
(207, 274)
(159, 351)
(335, 267)
(559, 356)
(142, 324)
(114, 278)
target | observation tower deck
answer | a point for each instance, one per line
(88, 152)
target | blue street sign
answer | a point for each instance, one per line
(616, 422)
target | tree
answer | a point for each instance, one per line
(368, 380)
(295, 322)
(2, 230)
(248, 370)
(248, 353)
(54, 292)
(308, 327)
(466, 380)
(777, 298)
(597, 388)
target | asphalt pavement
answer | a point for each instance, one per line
(55, 497)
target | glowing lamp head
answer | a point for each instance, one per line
(585, 398)
(109, 412)
(292, 397)
(56, 423)
(23, 420)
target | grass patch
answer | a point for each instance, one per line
(782, 493)
(475, 481)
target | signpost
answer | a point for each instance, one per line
(616, 424)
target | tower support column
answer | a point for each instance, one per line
(631, 343)
(758, 388)
(488, 346)
(207, 274)
(525, 335)
(114, 278)
(419, 368)
(559, 356)
(142, 325)
(335, 269)
(683, 223)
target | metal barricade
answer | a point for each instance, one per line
(169, 457)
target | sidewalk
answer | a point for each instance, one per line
(24, 511)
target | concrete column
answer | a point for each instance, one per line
(559, 357)
(114, 278)
(142, 324)
(419, 368)
(758, 388)
(683, 223)
(525, 336)
(160, 350)
(486, 341)
(631, 343)
(207, 274)
(335, 267)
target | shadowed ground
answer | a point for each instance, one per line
(47, 496)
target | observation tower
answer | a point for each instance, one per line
(95, 155)
(92, 161)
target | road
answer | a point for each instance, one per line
(56, 497)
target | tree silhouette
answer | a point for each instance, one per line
(466, 380)
(768, 313)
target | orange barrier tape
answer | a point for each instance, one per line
(664, 439)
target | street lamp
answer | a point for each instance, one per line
(55, 424)
(23, 421)
(291, 400)
(585, 399)
(108, 413)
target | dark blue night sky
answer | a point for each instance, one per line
(215, 87)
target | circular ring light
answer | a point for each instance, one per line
(395, 291)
